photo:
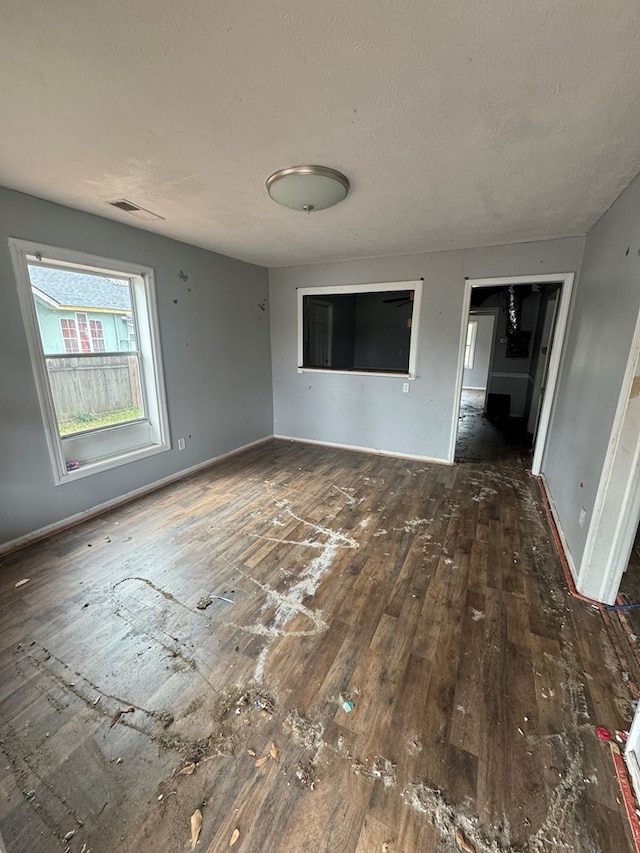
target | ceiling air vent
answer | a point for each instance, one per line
(134, 209)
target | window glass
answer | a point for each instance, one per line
(470, 344)
(359, 331)
(91, 316)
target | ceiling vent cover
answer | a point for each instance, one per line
(134, 209)
(123, 204)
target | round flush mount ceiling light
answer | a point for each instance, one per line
(308, 188)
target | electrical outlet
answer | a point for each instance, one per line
(405, 387)
(181, 444)
(582, 516)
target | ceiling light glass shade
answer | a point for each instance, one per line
(307, 188)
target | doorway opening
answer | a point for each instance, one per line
(511, 340)
(629, 591)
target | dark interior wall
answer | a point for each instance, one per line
(501, 362)
(344, 321)
(214, 334)
(518, 386)
(537, 332)
(382, 336)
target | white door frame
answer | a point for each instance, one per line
(566, 280)
(616, 510)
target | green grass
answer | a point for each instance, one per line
(89, 421)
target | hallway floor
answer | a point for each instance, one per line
(317, 649)
(481, 439)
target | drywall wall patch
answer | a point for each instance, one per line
(635, 388)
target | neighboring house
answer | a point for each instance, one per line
(80, 313)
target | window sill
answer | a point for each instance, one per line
(106, 463)
(345, 372)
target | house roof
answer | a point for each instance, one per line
(67, 289)
(458, 123)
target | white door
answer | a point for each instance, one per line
(632, 752)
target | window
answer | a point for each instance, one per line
(365, 328)
(97, 336)
(93, 338)
(470, 344)
(77, 335)
(69, 335)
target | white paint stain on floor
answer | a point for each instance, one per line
(412, 525)
(345, 494)
(289, 604)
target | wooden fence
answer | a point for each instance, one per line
(94, 385)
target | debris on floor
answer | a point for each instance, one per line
(306, 775)
(274, 752)
(119, 713)
(414, 746)
(196, 826)
(241, 700)
(380, 768)
(304, 732)
(461, 842)
(450, 823)
(206, 600)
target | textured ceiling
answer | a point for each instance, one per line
(458, 123)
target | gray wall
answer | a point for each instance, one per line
(601, 326)
(215, 346)
(477, 376)
(372, 411)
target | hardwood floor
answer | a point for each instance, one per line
(481, 439)
(429, 596)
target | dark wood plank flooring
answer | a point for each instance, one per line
(430, 596)
(481, 439)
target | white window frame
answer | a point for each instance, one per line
(108, 447)
(470, 344)
(333, 290)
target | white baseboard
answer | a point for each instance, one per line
(72, 520)
(371, 450)
(563, 538)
